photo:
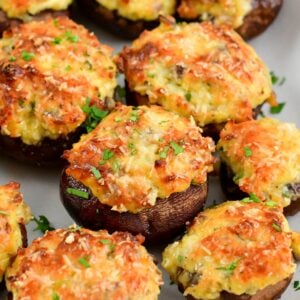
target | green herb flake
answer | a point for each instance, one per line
(108, 243)
(150, 75)
(188, 96)
(118, 119)
(237, 177)
(84, 262)
(252, 198)
(71, 37)
(164, 152)
(107, 154)
(96, 172)
(277, 109)
(42, 223)
(27, 56)
(132, 149)
(57, 40)
(78, 193)
(247, 151)
(68, 68)
(115, 166)
(55, 296)
(296, 285)
(177, 149)
(12, 58)
(276, 80)
(134, 116)
(276, 227)
(270, 203)
(230, 268)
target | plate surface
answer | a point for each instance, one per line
(279, 46)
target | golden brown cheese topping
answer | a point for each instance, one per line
(230, 12)
(48, 69)
(23, 9)
(140, 9)
(86, 265)
(195, 69)
(264, 155)
(161, 151)
(236, 247)
(13, 214)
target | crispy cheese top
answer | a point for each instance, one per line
(23, 9)
(264, 156)
(195, 69)
(230, 12)
(47, 71)
(86, 265)
(140, 9)
(236, 247)
(13, 212)
(136, 155)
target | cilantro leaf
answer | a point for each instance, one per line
(43, 224)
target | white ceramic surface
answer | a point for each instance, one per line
(279, 46)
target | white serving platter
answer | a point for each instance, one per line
(279, 46)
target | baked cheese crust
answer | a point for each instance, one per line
(136, 155)
(195, 69)
(48, 70)
(86, 265)
(264, 155)
(236, 247)
(24, 9)
(135, 10)
(13, 212)
(230, 12)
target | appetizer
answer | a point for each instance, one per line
(14, 214)
(55, 76)
(127, 18)
(238, 250)
(13, 12)
(248, 17)
(261, 158)
(84, 265)
(199, 70)
(142, 170)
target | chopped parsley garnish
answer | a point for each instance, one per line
(230, 268)
(247, 151)
(96, 172)
(57, 40)
(118, 119)
(27, 56)
(78, 193)
(71, 37)
(12, 58)
(134, 116)
(107, 155)
(55, 296)
(188, 96)
(108, 243)
(68, 68)
(252, 198)
(270, 203)
(115, 166)
(164, 152)
(277, 80)
(277, 109)
(120, 92)
(95, 115)
(276, 227)
(84, 262)
(177, 149)
(132, 148)
(296, 285)
(42, 223)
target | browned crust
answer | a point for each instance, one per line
(47, 153)
(211, 130)
(111, 21)
(6, 22)
(261, 16)
(271, 292)
(157, 224)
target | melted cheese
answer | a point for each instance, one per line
(195, 69)
(13, 212)
(230, 12)
(161, 151)
(48, 69)
(140, 9)
(73, 264)
(22, 9)
(274, 159)
(233, 247)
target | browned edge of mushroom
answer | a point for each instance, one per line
(6, 22)
(212, 130)
(47, 153)
(158, 223)
(271, 292)
(261, 16)
(113, 22)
